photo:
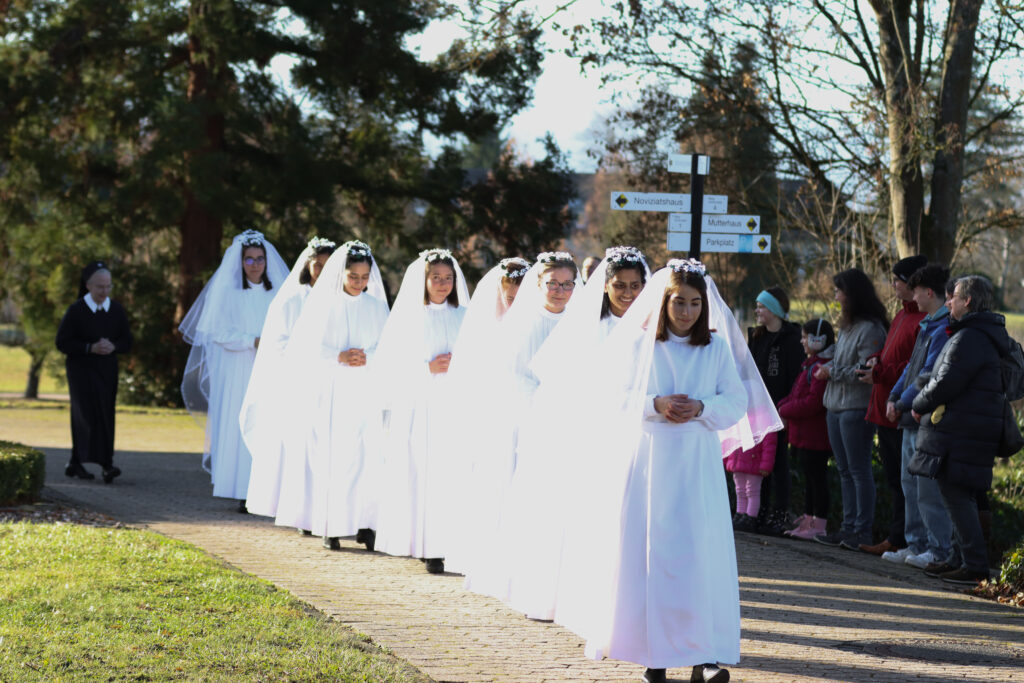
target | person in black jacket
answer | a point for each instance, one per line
(91, 334)
(960, 410)
(775, 345)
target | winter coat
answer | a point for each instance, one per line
(962, 404)
(899, 343)
(778, 356)
(804, 410)
(930, 341)
(854, 345)
(760, 458)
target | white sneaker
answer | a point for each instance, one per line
(897, 556)
(921, 561)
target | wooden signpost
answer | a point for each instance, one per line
(697, 222)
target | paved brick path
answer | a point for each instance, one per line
(809, 612)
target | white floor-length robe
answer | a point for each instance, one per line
(415, 512)
(515, 565)
(676, 598)
(346, 424)
(265, 476)
(232, 355)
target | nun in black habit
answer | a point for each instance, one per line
(91, 334)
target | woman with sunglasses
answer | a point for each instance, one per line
(224, 326)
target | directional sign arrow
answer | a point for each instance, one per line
(683, 163)
(722, 243)
(665, 201)
(683, 222)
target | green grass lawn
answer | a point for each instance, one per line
(81, 603)
(14, 362)
(47, 424)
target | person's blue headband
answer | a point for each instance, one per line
(772, 304)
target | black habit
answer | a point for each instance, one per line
(92, 378)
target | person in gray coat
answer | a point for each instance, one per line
(863, 323)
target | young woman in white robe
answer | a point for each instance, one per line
(510, 573)
(482, 441)
(416, 512)
(331, 356)
(265, 401)
(649, 567)
(224, 326)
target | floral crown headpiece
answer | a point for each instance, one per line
(688, 265)
(514, 267)
(435, 255)
(319, 243)
(621, 255)
(554, 257)
(356, 248)
(251, 238)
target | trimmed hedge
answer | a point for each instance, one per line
(22, 473)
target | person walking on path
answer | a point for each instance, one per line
(927, 528)
(960, 411)
(884, 369)
(93, 331)
(863, 323)
(775, 345)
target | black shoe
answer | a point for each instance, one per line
(833, 539)
(853, 542)
(964, 577)
(709, 673)
(435, 565)
(745, 523)
(774, 523)
(367, 537)
(304, 532)
(937, 569)
(654, 676)
(109, 474)
(332, 543)
(75, 469)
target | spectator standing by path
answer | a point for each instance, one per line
(960, 411)
(885, 369)
(91, 334)
(927, 528)
(775, 345)
(863, 323)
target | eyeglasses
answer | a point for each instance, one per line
(249, 260)
(554, 286)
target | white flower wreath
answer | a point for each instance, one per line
(553, 257)
(319, 242)
(356, 248)
(689, 265)
(252, 238)
(506, 265)
(433, 255)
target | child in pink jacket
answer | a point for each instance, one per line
(748, 468)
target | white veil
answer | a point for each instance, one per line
(214, 311)
(265, 398)
(405, 325)
(571, 344)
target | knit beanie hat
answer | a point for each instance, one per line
(905, 267)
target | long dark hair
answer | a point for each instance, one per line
(700, 333)
(780, 294)
(305, 277)
(453, 296)
(265, 279)
(610, 269)
(862, 302)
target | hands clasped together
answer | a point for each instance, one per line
(678, 408)
(353, 358)
(104, 347)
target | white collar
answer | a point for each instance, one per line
(432, 305)
(677, 338)
(93, 306)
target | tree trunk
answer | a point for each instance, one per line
(35, 370)
(950, 124)
(902, 86)
(201, 227)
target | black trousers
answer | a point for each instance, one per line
(890, 448)
(775, 488)
(816, 493)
